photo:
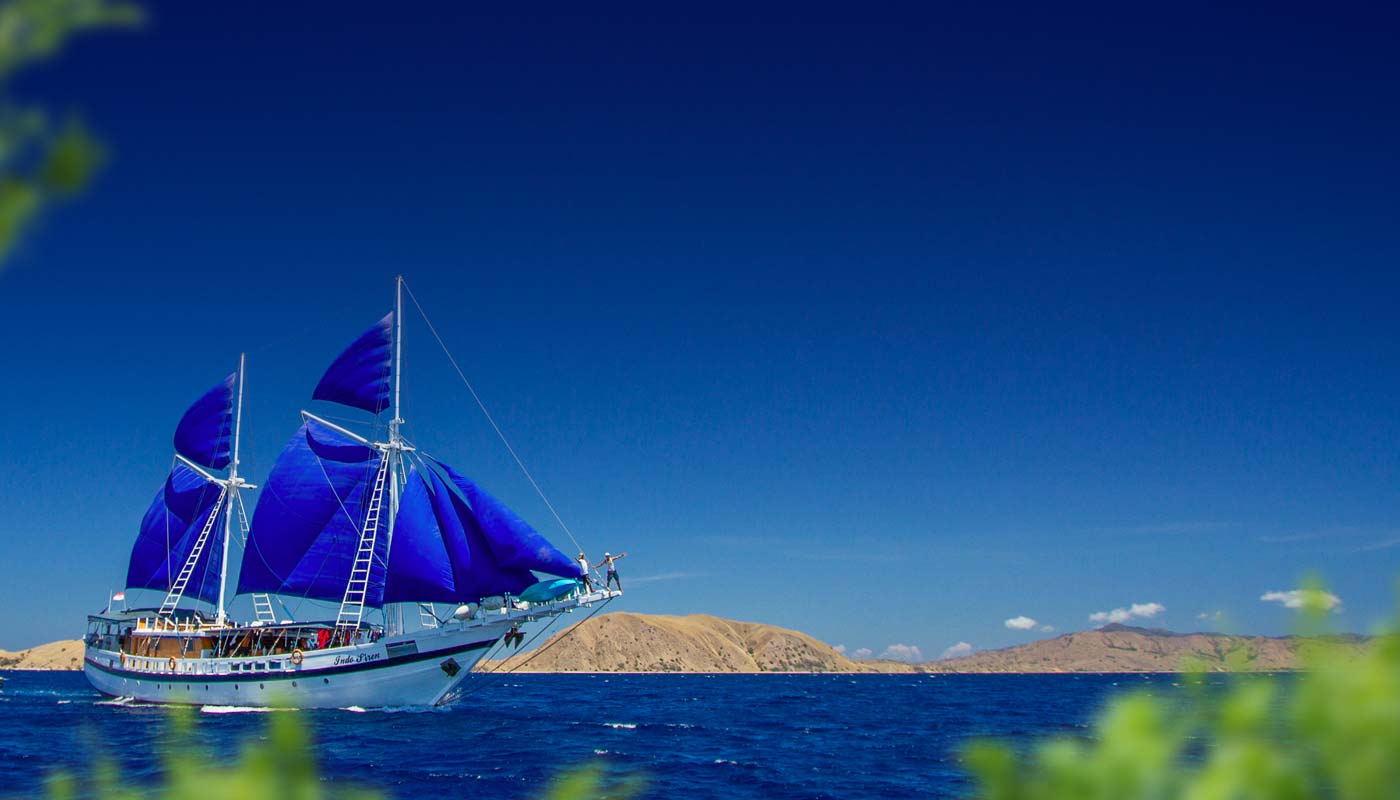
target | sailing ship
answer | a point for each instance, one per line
(426, 571)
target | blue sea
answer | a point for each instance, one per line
(710, 736)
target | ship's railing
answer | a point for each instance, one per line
(252, 667)
(250, 650)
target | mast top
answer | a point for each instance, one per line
(394, 437)
(233, 479)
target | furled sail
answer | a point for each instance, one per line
(204, 432)
(168, 535)
(447, 550)
(307, 524)
(359, 376)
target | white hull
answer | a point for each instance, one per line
(400, 671)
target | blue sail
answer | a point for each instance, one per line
(306, 527)
(204, 432)
(512, 541)
(420, 569)
(483, 574)
(442, 552)
(359, 376)
(168, 535)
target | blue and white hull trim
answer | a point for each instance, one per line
(418, 670)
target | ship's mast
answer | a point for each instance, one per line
(395, 453)
(398, 356)
(234, 484)
(390, 472)
(396, 444)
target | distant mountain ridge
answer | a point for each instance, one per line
(628, 642)
(1124, 648)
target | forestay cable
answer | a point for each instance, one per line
(489, 418)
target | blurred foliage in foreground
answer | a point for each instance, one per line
(280, 765)
(42, 160)
(1332, 731)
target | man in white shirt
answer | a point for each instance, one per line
(583, 572)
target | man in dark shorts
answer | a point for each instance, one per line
(610, 561)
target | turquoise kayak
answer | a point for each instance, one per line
(549, 590)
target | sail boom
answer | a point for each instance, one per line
(305, 415)
(212, 478)
(206, 474)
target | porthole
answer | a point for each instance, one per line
(262, 686)
(325, 680)
(235, 687)
(294, 684)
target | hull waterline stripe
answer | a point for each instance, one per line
(303, 674)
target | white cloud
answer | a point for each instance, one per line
(1022, 623)
(1303, 598)
(903, 652)
(864, 652)
(840, 648)
(1134, 611)
(958, 651)
(1211, 615)
(1047, 628)
(666, 576)
(1384, 544)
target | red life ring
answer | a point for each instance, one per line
(297, 657)
(172, 663)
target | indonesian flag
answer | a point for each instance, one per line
(119, 596)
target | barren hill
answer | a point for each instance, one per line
(54, 655)
(1123, 648)
(625, 642)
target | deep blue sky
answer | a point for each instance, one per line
(887, 329)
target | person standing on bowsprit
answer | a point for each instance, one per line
(610, 561)
(583, 572)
